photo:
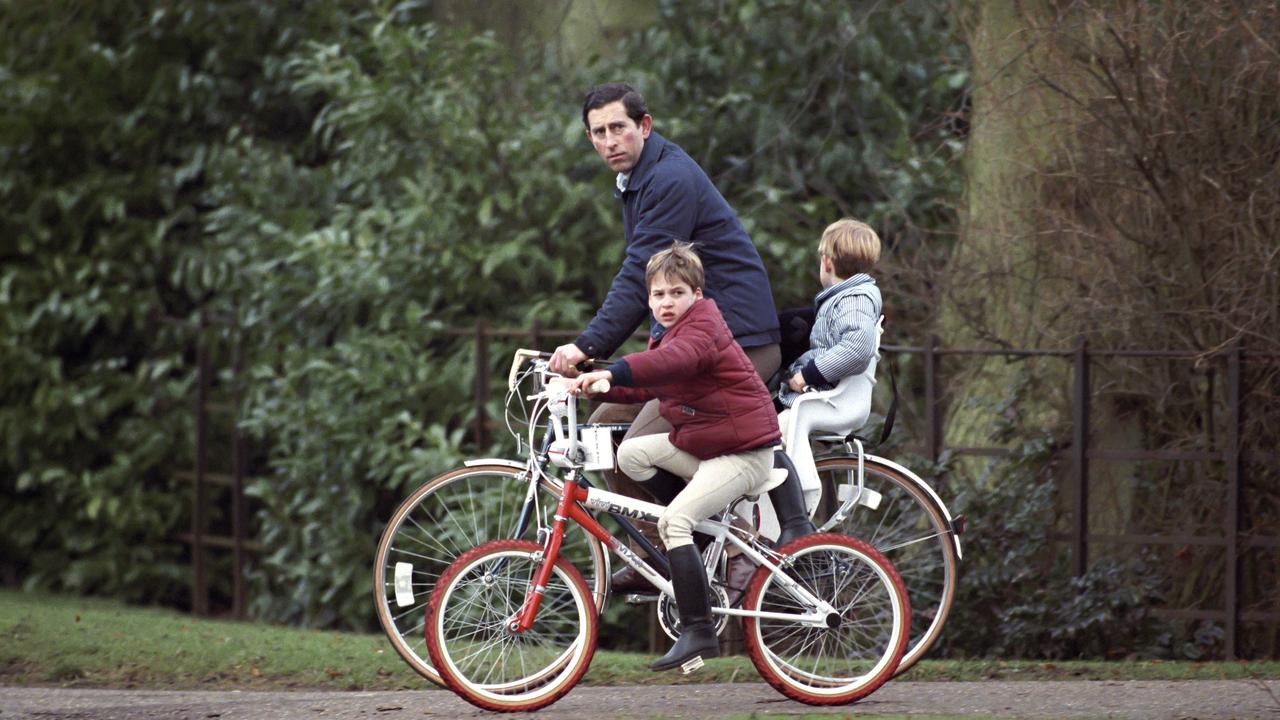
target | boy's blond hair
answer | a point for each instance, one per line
(678, 262)
(852, 246)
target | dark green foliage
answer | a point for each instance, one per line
(343, 183)
(1017, 596)
(806, 112)
(109, 112)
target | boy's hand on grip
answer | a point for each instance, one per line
(592, 383)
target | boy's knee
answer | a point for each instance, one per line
(634, 462)
(675, 530)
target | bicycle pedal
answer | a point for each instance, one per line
(641, 598)
(691, 665)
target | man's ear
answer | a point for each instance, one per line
(646, 126)
(697, 293)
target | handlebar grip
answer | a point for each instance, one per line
(599, 386)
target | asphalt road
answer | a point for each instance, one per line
(1205, 699)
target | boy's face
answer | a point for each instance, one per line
(670, 299)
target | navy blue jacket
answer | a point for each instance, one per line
(668, 198)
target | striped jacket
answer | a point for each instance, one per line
(843, 338)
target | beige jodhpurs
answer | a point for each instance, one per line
(713, 483)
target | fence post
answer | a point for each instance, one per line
(932, 416)
(482, 384)
(238, 462)
(199, 578)
(1080, 458)
(1231, 577)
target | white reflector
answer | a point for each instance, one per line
(404, 584)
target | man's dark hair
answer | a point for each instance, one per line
(601, 95)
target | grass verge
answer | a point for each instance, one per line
(54, 640)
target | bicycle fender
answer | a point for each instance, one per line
(513, 465)
(928, 489)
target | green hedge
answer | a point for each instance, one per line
(344, 182)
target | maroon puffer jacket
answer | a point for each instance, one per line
(709, 390)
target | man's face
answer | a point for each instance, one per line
(617, 138)
(670, 299)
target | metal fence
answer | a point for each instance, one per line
(1232, 455)
(235, 536)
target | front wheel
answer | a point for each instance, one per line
(847, 654)
(480, 657)
(447, 516)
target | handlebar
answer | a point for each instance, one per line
(524, 354)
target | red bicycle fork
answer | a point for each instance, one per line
(568, 508)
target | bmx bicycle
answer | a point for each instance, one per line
(511, 624)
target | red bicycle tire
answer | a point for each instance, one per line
(898, 646)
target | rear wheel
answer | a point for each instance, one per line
(909, 528)
(449, 515)
(477, 653)
(845, 655)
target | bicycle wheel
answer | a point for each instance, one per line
(444, 518)
(911, 531)
(483, 661)
(852, 652)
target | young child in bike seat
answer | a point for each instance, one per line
(843, 339)
(723, 436)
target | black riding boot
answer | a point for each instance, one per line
(664, 486)
(693, 600)
(788, 504)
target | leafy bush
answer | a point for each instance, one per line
(344, 187)
(110, 111)
(806, 112)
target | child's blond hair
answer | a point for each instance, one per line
(852, 246)
(679, 263)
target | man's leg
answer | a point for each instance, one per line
(766, 359)
(644, 420)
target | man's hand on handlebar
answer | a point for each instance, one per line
(565, 359)
(582, 385)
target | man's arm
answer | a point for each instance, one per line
(668, 212)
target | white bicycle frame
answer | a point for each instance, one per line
(606, 501)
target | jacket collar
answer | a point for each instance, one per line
(653, 147)
(697, 308)
(850, 283)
